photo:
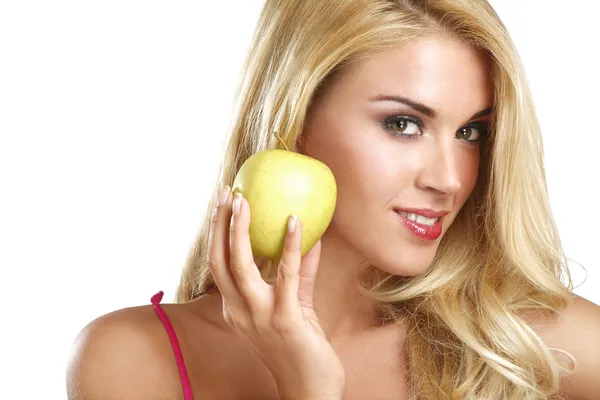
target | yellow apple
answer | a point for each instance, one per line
(278, 183)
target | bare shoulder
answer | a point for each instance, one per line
(576, 330)
(125, 354)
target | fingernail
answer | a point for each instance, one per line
(291, 223)
(237, 201)
(224, 195)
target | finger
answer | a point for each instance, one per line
(308, 275)
(241, 261)
(218, 248)
(286, 291)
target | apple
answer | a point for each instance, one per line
(277, 183)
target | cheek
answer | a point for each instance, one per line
(468, 168)
(365, 165)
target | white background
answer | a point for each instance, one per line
(112, 116)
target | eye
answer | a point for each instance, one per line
(472, 133)
(404, 126)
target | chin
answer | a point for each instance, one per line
(412, 264)
(402, 254)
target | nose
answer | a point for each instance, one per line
(440, 171)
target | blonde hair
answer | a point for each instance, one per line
(467, 336)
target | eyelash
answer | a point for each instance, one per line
(482, 127)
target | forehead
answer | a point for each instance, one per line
(444, 74)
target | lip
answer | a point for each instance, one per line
(426, 212)
(429, 233)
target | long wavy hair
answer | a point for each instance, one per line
(467, 335)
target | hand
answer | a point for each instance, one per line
(279, 321)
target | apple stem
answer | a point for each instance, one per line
(281, 140)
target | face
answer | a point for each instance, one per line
(401, 131)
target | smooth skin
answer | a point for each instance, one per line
(378, 168)
(279, 320)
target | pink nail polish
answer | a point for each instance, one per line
(237, 202)
(291, 223)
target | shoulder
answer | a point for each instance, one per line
(124, 354)
(576, 331)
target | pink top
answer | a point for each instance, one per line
(185, 380)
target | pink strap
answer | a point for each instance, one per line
(185, 380)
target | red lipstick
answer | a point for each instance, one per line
(422, 231)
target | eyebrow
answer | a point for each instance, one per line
(422, 108)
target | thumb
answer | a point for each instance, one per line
(308, 275)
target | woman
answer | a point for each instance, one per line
(441, 275)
